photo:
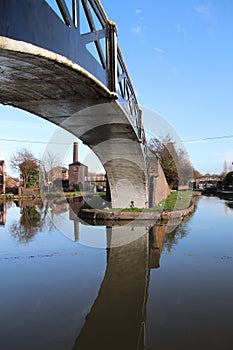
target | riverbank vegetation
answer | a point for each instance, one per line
(174, 161)
(47, 195)
(175, 201)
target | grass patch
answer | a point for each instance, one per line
(132, 210)
(175, 201)
(95, 201)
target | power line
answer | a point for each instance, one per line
(201, 140)
(37, 142)
(209, 138)
(66, 143)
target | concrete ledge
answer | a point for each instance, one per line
(15, 49)
(157, 216)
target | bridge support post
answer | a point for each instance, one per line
(139, 124)
(108, 192)
(112, 56)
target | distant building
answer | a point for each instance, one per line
(12, 184)
(78, 172)
(58, 173)
(58, 177)
(96, 177)
(97, 182)
(207, 181)
(2, 177)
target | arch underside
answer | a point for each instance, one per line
(58, 90)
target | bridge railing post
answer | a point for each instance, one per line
(139, 123)
(112, 56)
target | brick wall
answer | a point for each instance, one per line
(162, 190)
(77, 174)
(28, 191)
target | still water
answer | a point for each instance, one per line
(68, 285)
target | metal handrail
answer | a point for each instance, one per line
(112, 61)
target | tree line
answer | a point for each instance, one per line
(174, 161)
(32, 170)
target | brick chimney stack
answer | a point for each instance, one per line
(75, 152)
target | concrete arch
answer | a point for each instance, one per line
(62, 92)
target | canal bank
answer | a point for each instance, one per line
(178, 205)
(157, 215)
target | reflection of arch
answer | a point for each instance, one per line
(117, 318)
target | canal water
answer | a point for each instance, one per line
(65, 284)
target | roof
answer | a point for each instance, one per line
(78, 163)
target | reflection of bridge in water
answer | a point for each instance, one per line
(117, 319)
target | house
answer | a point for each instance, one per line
(58, 177)
(2, 177)
(12, 184)
(58, 172)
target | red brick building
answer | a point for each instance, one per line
(78, 172)
(12, 184)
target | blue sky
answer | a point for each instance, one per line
(180, 58)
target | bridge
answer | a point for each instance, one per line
(64, 64)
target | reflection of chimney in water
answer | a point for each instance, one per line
(76, 230)
(75, 152)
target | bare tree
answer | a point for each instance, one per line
(48, 164)
(24, 162)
